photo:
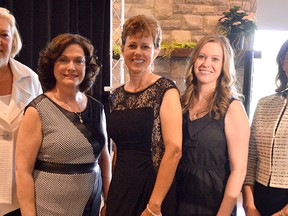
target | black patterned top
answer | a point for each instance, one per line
(134, 125)
(150, 97)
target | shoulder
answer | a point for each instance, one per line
(270, 99)
(25, 77)
(117, 89)
(270, 106)
(236, 119)
(21, 70)
(235, 106)
(165, 82)
(34, 103)
(94, 102)
(236, 113)
(164, 85)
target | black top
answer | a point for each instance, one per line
(134, 126)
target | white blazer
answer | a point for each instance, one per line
(25, 87)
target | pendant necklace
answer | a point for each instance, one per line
(78, 114)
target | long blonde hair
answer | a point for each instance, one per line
(225, 90)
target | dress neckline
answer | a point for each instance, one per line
(139, 92)
(62, 108)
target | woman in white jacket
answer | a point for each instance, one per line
(19, 85)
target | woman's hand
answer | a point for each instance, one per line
(151, 212)
(252, 212)
(282, 212)
(103, 210)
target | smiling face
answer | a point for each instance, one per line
(208, 65)
(6, 41)
(69, 68)
(139, 53)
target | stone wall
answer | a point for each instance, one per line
(182, 21)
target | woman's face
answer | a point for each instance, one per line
(208, 65)
(69, 68)
(139, 53)
(6, 40)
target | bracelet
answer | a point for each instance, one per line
(281, 213)
(153, 214)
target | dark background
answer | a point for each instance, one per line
(41, 20)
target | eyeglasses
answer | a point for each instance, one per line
(79, 61)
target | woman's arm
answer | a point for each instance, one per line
(282, 212)
(105, 165)
(27, 146)
(248, 201)
(248, 187)
(171, 123)
(237, 131)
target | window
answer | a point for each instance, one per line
(265, 68)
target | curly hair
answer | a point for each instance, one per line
(55, 48)
(281, 78)
(225, 89)
(142, 24)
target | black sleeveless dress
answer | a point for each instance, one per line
(134, 125)
(204, 167)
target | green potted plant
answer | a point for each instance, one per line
(168, 49)
(176, 49)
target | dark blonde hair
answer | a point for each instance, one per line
(281, 78)
(55, 48)
(16, 39)
(142, 24)
(225, 90)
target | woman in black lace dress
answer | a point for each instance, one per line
(146, 125)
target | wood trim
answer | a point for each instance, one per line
(177, 53)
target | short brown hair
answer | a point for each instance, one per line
(142, 24)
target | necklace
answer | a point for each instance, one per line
(196, 114)
(78, 114)
(198, 111)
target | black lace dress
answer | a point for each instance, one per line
(134, 125)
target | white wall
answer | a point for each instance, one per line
(272, 15)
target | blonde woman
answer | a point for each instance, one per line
(215, 133)
(18, 86)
